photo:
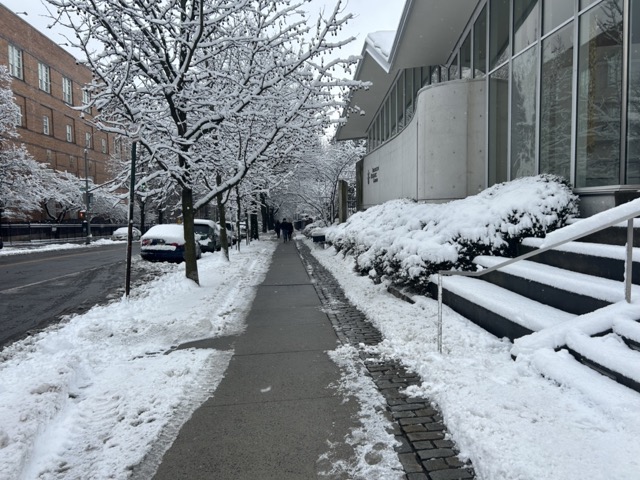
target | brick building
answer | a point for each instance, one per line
(48, 82)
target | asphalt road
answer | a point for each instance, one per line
(38, 288)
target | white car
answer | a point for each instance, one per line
(207, 233)
(122, 232)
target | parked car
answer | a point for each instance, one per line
(231, 235)
(122, 232)
(165, 243)
(208, 234)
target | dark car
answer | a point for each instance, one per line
(165, 243)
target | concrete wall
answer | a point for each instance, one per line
(440, 155)
(391, 171)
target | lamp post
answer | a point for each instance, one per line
(86, 198)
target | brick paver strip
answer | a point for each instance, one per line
(424, 452)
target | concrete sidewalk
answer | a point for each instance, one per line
(274, 413)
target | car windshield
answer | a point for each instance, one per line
(201, 229)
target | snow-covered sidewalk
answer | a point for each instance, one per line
(509, 420)
(90, 397)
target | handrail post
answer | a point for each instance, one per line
(628, 265)
(439, 312)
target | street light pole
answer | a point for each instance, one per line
(86, 198)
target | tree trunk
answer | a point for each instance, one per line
(239, 210)
(191, 264)
(223, 220)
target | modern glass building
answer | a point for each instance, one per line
(467, 94)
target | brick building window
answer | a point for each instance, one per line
(87, 140)
(69, 133)
(15, 62)
(44, 77)
(86, 98)
(67, 90)
(103, 142)
(45, 125)
(19, 117)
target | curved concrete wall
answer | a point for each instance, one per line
(440, 155)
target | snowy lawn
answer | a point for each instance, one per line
(89, 398)
(503, 415)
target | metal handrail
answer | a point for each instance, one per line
(631, 210)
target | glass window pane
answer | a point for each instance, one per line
(523, 114)
(585, 3)
(444, 73)
(498, 32)
(409, 92)
(554, 13)
(525, 24)
(465, 58)
(393, 110)
(402, 95)
(599, 96)
(633, 122)
(417, 82)
(435, 74)
(453, 69)
(498, 125)
(426, 76)
(556, 102)
(480, 45)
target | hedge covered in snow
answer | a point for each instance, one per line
(407, 241)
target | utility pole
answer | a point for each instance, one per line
(132, 198)
(86, 198)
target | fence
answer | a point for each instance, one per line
(50, 232)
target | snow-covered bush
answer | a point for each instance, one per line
(316, 226)
(407, 241)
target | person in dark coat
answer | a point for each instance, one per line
(277, 227)
(287, 229)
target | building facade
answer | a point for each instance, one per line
(467, 94)
(49, 88)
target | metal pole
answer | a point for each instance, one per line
(628, 265)
(132, 197)
(86, 197)
(439, 313)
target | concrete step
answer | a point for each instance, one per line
(609, 355)
(595, 259)
(498, 310)
(570, 291)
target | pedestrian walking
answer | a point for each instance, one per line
(277, 227)
(287, 229)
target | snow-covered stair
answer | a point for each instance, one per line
(564, 303)
(498, 310)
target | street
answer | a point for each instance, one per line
(39, 287)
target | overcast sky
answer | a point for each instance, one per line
(370, 16)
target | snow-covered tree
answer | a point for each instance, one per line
(313, 187)
(189, 78)
(24, 183)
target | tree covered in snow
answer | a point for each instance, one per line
(209, 88)
(312, 187)
(24, 183)
(407, 241)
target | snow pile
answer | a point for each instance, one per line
(91, 397)
(407, 241)
(507, 418)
